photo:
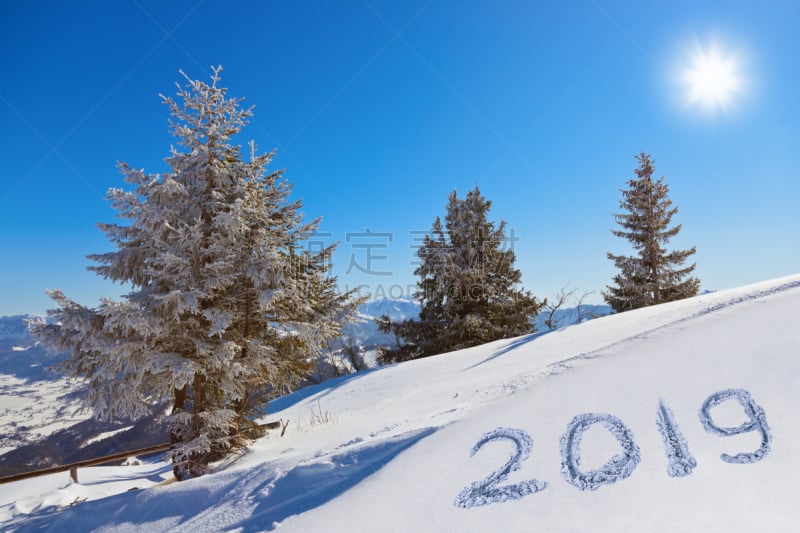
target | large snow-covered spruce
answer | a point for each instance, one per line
(225, 305)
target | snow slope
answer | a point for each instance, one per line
(389, 449)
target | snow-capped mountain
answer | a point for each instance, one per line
(396, 309)
(364, 330)
(15, 327)
(20, 356)
(677, 417)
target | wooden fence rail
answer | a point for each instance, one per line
(73, 467)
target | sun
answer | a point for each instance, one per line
(713, 78)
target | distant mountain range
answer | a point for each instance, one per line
(15, 327)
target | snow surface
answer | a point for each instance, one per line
(392, 449)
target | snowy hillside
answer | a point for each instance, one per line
(679, 417)
(396, 309)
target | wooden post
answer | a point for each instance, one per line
(73, 473)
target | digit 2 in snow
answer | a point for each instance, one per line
(680, 461)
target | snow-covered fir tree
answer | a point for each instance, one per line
(226, 302)
(467, 286)
(654, 275)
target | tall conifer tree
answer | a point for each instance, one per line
(225, 302)
(467, 285)
(654, 275)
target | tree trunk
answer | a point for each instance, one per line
(179, 405)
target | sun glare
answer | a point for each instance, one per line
(712, 79)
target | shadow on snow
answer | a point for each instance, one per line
(511, 346)
(257, 499)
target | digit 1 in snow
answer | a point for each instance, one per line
(757, 422)
(680, 461)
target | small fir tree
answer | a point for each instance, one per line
(654, 275)
(226, 304)
(467, 286)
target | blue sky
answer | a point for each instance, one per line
(379, 109)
